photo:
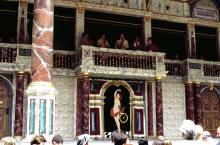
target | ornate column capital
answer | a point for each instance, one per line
(84, 74)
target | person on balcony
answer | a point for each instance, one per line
(103, 42)
(137, 45)
(151, 46)
(85, 39)
(122, 43)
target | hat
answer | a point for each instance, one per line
(57, 139)
(83, 139)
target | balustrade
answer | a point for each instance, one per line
(102, 58)
(174, 68)
(212, 70)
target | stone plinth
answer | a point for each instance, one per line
(40, 112)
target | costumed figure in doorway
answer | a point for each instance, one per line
(117, 109)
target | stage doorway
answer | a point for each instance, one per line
(110, 123)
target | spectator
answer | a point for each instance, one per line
(199, 131)
(83, 139)
(102, 41)
(137, 45)
(188, 129)
(218, 135)
(122, 43)
(38, 140)
(85, 39)
(57, 140)
(150, 46)
(7, 141)
(143, 141)
(167, 142)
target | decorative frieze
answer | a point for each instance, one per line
(170, 7)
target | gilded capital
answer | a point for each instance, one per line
(84, 74)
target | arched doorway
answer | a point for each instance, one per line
(4, 109)
(211, 109)
(109, 121)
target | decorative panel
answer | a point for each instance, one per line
(51, 117)
(94, 121)
(42, 116)
(139, 126)
(32, 116)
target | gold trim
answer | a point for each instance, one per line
(84, 74)
(189, 82)
(20, 72)
(158, 78)
(197, 83)
(96, 104)
(211, 86)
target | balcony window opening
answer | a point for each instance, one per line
(111, 25)
(206, 43)
(8, 25)
(170, 38)
(64, 30)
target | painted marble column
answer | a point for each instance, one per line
(41, 92)
(18, 128)
(189, 98)
(85, 102)
(198, 104)
(159, 107)
(79, 25)
(22, 33)
(218, 42)
(147, 28)
(150, 109)
(191, 53)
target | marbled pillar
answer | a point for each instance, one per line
(159, 107)
(42, 44)
(19, 104)
(79, 25)
(191, 53)
(22, 33)
(189, 98)
(198, 104)
(149, 109)
(85, 102)
(41, 92)
(218, 42)
(147, 32)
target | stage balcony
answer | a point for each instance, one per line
(111, 63)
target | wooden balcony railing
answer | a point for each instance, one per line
(212, 70)
(123, 60)
(131, 4)
(66, 59)
(175, 68)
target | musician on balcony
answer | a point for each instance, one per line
(85, 39)
(122, 43)
(137, 45)
(151, 46)
(103, 42)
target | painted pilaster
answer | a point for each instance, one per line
(79, 106)
(159, 107)
(41, 92)
(191, 52)
(147, 28)
(150, 109)
(85, 102)
(18, 128)
(189, 101)
(79, 25)
(218, 42)
(198, 104)
(22, 34)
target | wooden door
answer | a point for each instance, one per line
(4, 106)
(211, 108)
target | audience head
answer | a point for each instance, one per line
(84, 34)
(57, 140)
(206, 135)
(38, 140)
(157, 142)
(143, 141)
(188, 129)
(218, 132)
(149, 39)
(7, 141)
(167, 142)
(83, 139)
